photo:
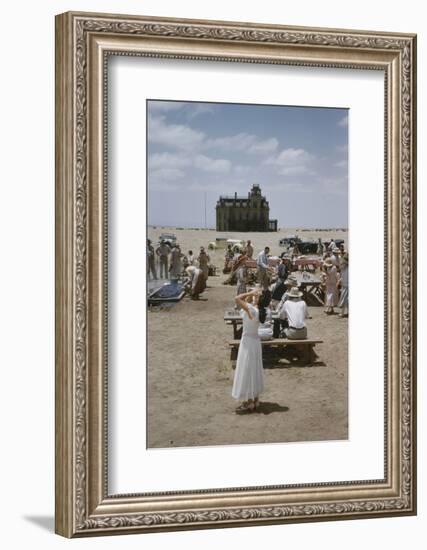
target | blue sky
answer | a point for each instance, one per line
(298, 155)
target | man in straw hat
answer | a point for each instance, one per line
(335, 256)
(296, 312)
(282, 322)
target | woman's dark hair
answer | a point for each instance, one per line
(263, 302)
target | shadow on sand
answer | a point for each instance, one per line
(275, 364)
(267, 407)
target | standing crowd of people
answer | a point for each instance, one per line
(173, 264)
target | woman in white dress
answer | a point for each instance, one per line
(330, 280)
(249, 375)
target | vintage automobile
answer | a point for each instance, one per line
(168, 238)
(289, 241)
(307, 247)
(338, 242)
(237, 245)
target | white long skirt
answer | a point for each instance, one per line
(331, 295)
(249, 374)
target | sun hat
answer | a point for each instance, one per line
(294, 293)
(336, 249)
(291, 281)
(328, 262)
(240, 260)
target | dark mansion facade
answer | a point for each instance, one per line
(249, 213)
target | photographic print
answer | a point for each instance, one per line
(247, 274)
(229, 148)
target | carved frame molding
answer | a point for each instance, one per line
(83, 43)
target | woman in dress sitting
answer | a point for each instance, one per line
(249, 375)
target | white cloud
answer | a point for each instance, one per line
(166, 174)
(343, 123)
(212, 165)
(341, 164)
(263, 147)
(248, 143)
(291, 157)
(292, 162)
(238, 142)
(178, 136)
(167, 160)
(197, 109)
(169, 164)
(294, 170)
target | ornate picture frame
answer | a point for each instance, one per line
(83, 43)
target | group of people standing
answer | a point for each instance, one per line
(334, 276)
(173, 264)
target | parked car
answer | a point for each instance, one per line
(289, 240)
(338, 242)
(237, 245)
(308, 247)
(168, 238)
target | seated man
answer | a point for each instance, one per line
(282, 322)
(296, 312)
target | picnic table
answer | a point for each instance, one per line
(273, 261)
(306, 347)
(233, 317)
(310, 285)
(302, 261)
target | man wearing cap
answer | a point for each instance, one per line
(295, 311)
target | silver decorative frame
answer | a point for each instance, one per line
(83, 42)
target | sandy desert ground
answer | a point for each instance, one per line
(190, 373)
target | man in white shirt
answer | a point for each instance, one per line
(331, 245)
(296, 312)
(334, 257)
(262, 263)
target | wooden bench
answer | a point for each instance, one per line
(306, 346)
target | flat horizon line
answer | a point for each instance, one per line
(300, 228)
